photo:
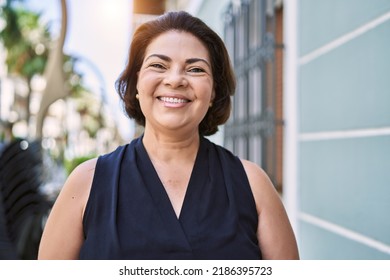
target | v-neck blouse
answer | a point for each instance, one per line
(129, 214)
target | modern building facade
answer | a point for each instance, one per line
(338, 86)
(318, 119)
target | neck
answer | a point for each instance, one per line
(172, 147)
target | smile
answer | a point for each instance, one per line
(173, 100)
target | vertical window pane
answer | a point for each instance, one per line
(255, 91)
(254, 24)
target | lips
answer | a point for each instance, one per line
(173, 100)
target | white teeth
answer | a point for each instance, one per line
(173, 100)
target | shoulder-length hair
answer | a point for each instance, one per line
(222, 72)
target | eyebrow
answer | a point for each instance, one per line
(188, 61)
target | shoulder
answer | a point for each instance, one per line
(83, 172)
(254, 172)
(262, 188)
(78, 185)
(256, 175)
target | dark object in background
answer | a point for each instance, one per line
(23, 208)
(7, 249)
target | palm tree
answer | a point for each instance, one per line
(30, 53)
(26, 41)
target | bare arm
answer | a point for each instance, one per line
(63, 234)
(275, 234)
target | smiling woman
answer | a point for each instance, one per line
(171, 194)
(171, 79)
(216, 61)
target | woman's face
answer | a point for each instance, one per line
(175, 82)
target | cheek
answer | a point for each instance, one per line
(139, 81)
(142, 83)
(208, 91)
(147, 82)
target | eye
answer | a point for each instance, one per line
(157, 66)
(196, 70)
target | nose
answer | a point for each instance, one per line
(175, 78)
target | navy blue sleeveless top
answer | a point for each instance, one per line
(129, 215)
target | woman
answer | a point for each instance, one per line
(171, 194)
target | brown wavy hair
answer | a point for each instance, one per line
(223, 75)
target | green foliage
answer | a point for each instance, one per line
(11, 33)
(26, 41)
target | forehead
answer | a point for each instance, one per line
(176, 42)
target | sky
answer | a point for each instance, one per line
(98, 33)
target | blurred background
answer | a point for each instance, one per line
(311, 108)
